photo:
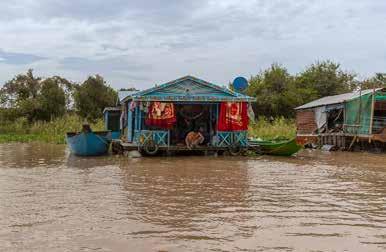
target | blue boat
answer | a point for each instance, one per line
(88, 143)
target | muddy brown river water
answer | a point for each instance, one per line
(317, 201)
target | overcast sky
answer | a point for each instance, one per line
(145, 42)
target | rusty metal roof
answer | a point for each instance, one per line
(336, 99)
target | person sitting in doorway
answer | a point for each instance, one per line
(194, 138)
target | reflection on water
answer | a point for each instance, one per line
(54, 201)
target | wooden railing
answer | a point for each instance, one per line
(228, 138)
(160, 137)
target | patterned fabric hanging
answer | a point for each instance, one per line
(161, 115)
(233, 116)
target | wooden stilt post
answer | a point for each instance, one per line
(352, 143)
(372, 115)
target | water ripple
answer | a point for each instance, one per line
(314, 202)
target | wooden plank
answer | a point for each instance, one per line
(372, 114)
(173, 147)
(130, 125)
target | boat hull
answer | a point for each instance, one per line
(279, 148)
(89, 144)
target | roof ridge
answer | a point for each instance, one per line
(201, 81)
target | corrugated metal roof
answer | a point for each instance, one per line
(329, 100)
(123, 94)
(111, 109)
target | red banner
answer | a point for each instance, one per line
(161, 114)
(233, 116)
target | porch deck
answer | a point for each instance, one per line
(119, 146)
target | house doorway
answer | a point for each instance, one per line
(193, 117)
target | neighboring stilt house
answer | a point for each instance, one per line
(343, 120)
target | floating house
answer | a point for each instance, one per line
(345, 121)
(160, 118)
(111, 117)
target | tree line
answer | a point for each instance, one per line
(44, 99)
(277, 92)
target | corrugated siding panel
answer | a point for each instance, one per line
(305, 122)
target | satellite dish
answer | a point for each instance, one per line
(240, 84)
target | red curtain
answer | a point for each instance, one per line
(233, 116)
(161, 115)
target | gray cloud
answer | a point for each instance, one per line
(13, 58)
(108, 65)
(97, 9)
(147, 42)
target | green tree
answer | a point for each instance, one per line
(269, 87)
(52, 99)
(8, 115)
(377, 81)
(34, 98)
(93, 96)
(21, 92)
(21, 87)
(326, 78)
(68, 87)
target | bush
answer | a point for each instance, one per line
(280, 127)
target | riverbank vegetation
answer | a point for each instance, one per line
(52, 131)
(44, 109)
(46, 99)
(34, 108)
(271, 129)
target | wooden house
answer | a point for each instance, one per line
(357, 118)
(159, 118)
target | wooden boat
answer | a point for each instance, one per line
(89, 143)
(277, 147)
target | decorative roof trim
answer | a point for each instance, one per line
(193, 99)
(140, 96)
